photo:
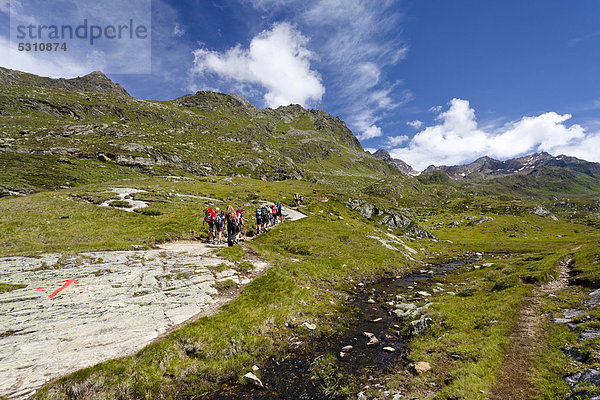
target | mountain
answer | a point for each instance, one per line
(64, 132)
(489, 168)
(93, 82)
(400, 165)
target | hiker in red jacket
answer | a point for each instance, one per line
(209, 218)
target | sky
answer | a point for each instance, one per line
(432, 81)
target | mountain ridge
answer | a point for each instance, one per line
(95, 81)
(206, 133)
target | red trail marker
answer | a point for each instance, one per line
(66, 284)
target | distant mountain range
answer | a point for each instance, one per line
(489, 168)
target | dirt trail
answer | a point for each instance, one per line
(513, 381)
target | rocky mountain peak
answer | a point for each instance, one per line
(400, 165)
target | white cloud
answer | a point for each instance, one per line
(123, 55)
(397, 140)
(276, 60)
(356, 40)
(178, 31)
(458, 139)
(435, 109)
(370, 132)
(415, 124)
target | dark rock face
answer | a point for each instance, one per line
(391, 219)
(400, 165)
(93, 82)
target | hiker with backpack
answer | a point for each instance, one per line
(273, 214)
(279, 213)
(219, 224)
(241, 225)
(209, 218)
(230, 218)
(258, 221)
(264, 212)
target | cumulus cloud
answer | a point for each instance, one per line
(457, 138)
(370, 132)
(397, 140)
(277, 60)
(415, 124)
(357, 41)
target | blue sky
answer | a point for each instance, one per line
(432, 81)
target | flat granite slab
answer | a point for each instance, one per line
(79, 310)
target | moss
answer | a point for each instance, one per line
(8, 287)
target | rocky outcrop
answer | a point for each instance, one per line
(391, 219)
(542, 212)
(212, 101)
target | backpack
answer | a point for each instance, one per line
(258, 213)
(264, 212)
(278, 208)
(208, 215)
(219, 220)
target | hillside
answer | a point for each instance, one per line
(50, 126)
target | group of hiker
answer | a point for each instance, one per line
(234, 222)
(267, 216)
(298, 199)
(218, 220)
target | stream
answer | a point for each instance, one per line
(293, 378)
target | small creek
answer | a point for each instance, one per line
(290, 377)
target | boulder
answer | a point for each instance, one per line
(589, 334)
(573, 379)
(309, 326)
(420, 325)
(373, 341)
(573, 353)
(591, 376)
(253, 380)
(421, 367)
